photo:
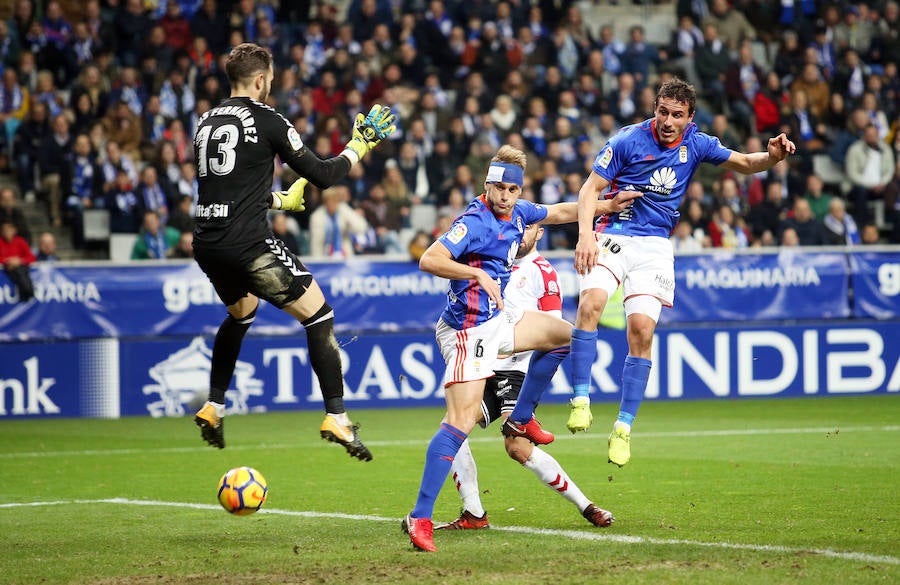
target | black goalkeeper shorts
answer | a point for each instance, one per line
(268, 270)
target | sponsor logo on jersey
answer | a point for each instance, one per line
(606, 157)
(294, 139)
(213, 211)
(663, 181)
(457, 233)
(682, 154)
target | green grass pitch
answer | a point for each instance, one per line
(752, 491)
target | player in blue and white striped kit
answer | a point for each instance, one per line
(477, 254)
(631, 248)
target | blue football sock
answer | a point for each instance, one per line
(540, 371)
(438, 458)
(634, 382)
(584, 353)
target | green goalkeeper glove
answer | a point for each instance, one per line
(292, 199)
(369, 130)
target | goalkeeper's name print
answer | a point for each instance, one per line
(242, 113)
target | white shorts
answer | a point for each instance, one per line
(471, 354)
(643, 265)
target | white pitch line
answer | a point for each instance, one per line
(571, 534)
(476, 439)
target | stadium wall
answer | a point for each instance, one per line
(106, 340)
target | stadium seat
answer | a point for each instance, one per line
(830, 172)
(120, 246)
(96, 224)
(423, 217)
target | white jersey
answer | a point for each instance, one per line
(533, 286)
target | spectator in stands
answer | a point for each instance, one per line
(279, 223)
(333, 224)
(639, 56)
(151, 194)
(27, 142)
(855, 31)
(125, 210)
(83, 191)
(684, 239)
(712, 64)
(16, 256)
(54, 159)
(176, 26)
(806, 227)
(870, 168)
(788, 58)
(743, 80)
(155, 241)
(622, 103)
(211, 24)
(850, 77)
(870, 235)
(839, 229)
(14, 103)
(732, 25)
(789, 238)
(132, 26)
(769, 215)
(727, 230)
(819, 201)
(182, 218)
(770, 105)
(184, 249)
(9, 47)
(806, 130)
(384, 217)
(91, 82)
(11, 212)
(176, 98)
(396, 189)
(46, 248)
(816, 88)
(124, 127)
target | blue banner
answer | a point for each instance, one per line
(169, 377)
(176, 299)
(876, 284)
(139, 300)
(792, 284)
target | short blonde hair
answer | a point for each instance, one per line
(512, 155)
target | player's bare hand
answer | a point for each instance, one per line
(780, 146)
(586, 253)
(491, 287)
(622, 201)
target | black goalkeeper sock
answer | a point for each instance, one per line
(325, 358)
(225, 353)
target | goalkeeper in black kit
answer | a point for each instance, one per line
(234, 150)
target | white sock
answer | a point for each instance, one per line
(342, 418)
(220, 408)
(465, 475)
(621, 425)
(551, 474)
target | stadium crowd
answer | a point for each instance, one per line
(99, 101)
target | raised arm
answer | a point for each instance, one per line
(777, 150)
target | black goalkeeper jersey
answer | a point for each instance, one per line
(234, 149)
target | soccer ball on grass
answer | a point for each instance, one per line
(242, 490)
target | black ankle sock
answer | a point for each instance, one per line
(225, 353)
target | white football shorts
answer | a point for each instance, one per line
(643, 265)
(471, 354)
